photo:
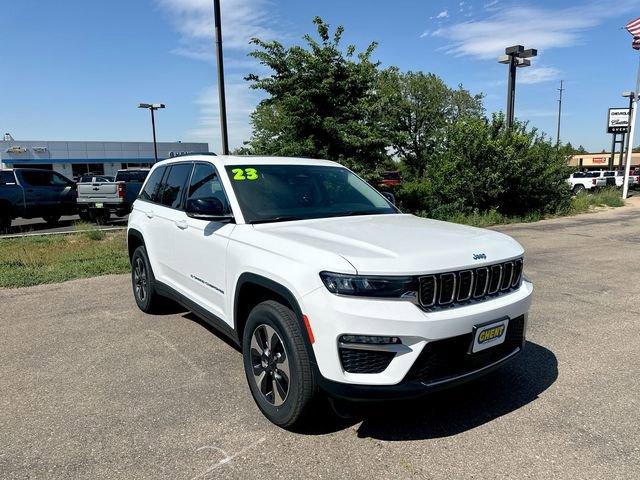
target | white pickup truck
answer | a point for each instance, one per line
(583, 181)
(96, 200)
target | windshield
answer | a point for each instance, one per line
(278, 193)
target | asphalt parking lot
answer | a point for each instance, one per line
(93, 388)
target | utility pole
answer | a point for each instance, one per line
(220, 63)
(561, 89)
(153, 107)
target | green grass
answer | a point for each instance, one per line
(36, 260)
(582, 203)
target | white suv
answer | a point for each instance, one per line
(322, 282)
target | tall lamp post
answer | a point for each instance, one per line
(515, 57)
(632, 96)
(220, 63)
(153, 107)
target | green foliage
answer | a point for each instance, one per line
(481, 166)
(321, 102)
(417, 109)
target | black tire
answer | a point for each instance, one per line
(85, 216)
(51, 219)
(579, 188)
(101, 216)
(301, 389)
(143, 283)
(5, 222)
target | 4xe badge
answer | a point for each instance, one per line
(479, 256)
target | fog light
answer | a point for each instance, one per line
(369, 339)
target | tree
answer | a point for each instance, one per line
(321, 102)
(417, 109)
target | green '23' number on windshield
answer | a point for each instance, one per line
(245, 174)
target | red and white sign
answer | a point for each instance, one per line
(599, 160)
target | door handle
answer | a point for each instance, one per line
(181, 224)
(149, 214)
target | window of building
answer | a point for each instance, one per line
(79, 169)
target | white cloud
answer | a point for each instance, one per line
(425, 34)
(537, 74)
(193, 19)
(443, 14)
(532, 26)
(241, 102)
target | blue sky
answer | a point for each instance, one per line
(75, 70)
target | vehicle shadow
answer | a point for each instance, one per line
(450, 412)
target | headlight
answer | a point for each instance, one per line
(369, 286)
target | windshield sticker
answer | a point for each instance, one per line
(240, 174)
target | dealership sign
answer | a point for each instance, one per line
(618, 120)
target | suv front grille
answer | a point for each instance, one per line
(450, 288)
(443, 359)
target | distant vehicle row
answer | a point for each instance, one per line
(589, 181)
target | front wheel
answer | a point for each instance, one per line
(5, 222)
(277, 364)
(51, 219)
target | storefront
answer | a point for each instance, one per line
(73, 159)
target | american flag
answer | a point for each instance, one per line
(633, 27)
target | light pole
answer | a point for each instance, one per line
(561, 89)
(152, 107)
(515, 57)
(220, 63)
(632, 96)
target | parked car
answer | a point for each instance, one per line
(618, 177)
(585, 181)
(98, 199)
(325, 285)
(390, 179)
(33, 193)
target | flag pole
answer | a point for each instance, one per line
(634, 106)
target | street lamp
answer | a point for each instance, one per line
(629, 151)
(217, 19)
(516, 57)
(152, 107)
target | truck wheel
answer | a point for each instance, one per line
(143, 282)
(84, 216)
(101, 217)
(578, 189)
(5, 223)
(51, 219)
(277, 364)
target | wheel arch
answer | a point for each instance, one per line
(134, 240)
(252, 289)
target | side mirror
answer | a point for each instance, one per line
(389, 196)
(210, 209)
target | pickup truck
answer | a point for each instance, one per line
(618, 177)
(97, 200)
(33, 193)
(583, 181)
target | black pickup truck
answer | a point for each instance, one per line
(33, 193)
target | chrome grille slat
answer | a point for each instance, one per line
(447, 289)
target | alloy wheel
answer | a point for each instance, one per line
(140, 279)
(270, 364)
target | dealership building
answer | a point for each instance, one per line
(600, 161)
(73, 159)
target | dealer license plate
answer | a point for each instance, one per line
(99, 205)
(489, 334)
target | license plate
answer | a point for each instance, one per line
(99, 205)
(489, 334)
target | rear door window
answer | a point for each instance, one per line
(174, 183)
(150, 190)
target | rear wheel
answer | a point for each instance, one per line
(85, 216)
(101, 216)
(51, 219)
(5, 222)
(277, 364)
(143, 282)
(578, 189)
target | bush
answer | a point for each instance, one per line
(480, 166)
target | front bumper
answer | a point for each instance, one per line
(331, 316)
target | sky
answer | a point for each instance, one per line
(77, 69)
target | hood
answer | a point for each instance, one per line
(397, 244)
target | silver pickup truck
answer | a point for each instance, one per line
(97, 200)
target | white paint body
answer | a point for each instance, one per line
(294, 253)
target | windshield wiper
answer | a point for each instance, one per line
(288, 218)
(360, 212)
